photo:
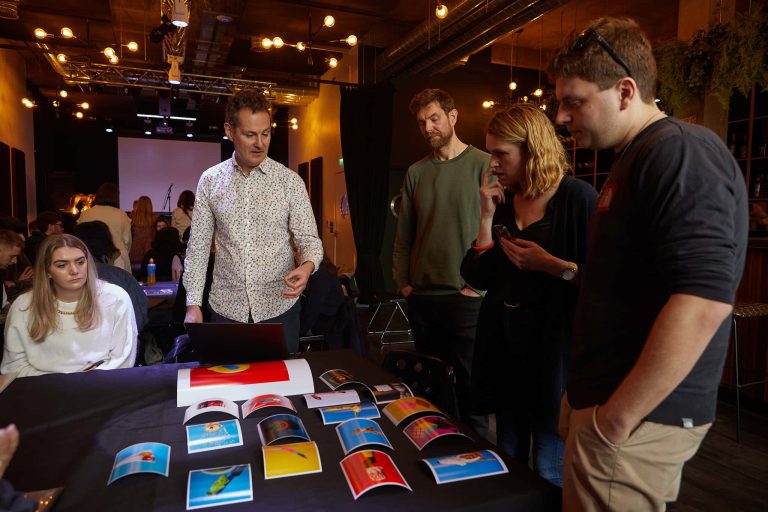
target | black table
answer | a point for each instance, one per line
(72, 425)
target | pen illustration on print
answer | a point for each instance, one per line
(141, 458)
(361, 432)
(293, 459)
(219, 486)
(340, 413)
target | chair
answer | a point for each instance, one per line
(382, 306)
(427, 376)
(743, 310)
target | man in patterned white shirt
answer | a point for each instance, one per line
(252, 206)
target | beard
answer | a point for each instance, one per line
(438, 140)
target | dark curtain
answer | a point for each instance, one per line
(366, 140)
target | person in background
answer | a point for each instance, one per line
(530, 269)
(160, 224)
(320, 304)
(48, 223)
(107, 209)
(438, 220)
(142, 230)
(97, 238)
(181, 218)
(256, 206)
(16, 276)
(666, 251)
(71, 321)
(167, 251)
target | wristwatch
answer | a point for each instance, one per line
(570, 271)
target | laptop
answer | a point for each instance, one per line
(231, 343)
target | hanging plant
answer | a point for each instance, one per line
(725, 57)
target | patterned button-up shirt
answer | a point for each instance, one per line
(252, 218)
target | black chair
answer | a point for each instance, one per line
(427, 376)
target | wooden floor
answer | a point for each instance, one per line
(724, 476)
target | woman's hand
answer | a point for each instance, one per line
(491, 194)
(527, 255)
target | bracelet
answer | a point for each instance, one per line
(483, 248)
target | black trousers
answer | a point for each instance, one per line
(444, 326)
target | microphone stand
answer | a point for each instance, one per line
(168, 200)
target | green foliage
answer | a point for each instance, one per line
(725, 57)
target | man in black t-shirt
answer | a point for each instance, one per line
(665, 255)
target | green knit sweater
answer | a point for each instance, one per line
(439, 218)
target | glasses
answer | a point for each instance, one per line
(590, 35)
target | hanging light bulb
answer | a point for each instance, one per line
(55, 104)
(274, 124)
(333, 62)
(301, 46)
(487, 104)
(27, 102)
(85, 105)
(61, 58)
(441, 11)
(512, 86)
(351, 40)
(278, 42)
(294, 127)
(294, 120)
(40, 33)
(329, 21)
(114, 60)
(133, 46)
(79, 115)
(266, 43)
(538, 92)
(63, 93)
(109, 52)
(67, 33)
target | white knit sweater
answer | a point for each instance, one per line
(68, 349)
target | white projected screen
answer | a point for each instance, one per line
(148, 167)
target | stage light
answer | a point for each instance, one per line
(174, 74)
(180, 14)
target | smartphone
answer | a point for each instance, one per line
(501, 231)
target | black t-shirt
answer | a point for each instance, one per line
(671, 218)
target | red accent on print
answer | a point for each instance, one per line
(252, 373)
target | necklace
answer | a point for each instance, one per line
(68, 313)
(650, 119)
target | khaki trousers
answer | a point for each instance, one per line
(641, 474)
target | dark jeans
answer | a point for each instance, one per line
(289, 319)
(444, 326)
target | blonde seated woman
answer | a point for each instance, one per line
(70, 321)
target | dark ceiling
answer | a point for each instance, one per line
(218, 53)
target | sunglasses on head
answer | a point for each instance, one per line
(590, 35)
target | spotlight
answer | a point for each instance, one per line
(278, 42)
(174, 74)
(329, 21)
(133, 46)
(40, 33)
(441, 11)
(180, 13)
(333, 62)
(61, 58)
(63, 93)
(351, 40)
(67, 33)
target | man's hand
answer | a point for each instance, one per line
(27, 274)
(9, 441)
(406, 291)
(611, 430)
(297, 279)
(194, 315)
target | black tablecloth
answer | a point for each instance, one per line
(73, 425)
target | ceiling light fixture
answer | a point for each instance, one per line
(180, 13)
(441, 11)
(174, 74)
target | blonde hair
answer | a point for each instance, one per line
(143, 214)
(44, 315)
(527, 125)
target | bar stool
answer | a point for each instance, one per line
(397, 307)
(744, 310)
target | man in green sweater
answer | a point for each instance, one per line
(438, 220)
